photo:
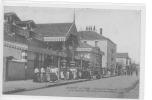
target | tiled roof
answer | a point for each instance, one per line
(92, 35)
(122, 55)
(53, 30)
(89, 35)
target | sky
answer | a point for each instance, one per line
(121, 26)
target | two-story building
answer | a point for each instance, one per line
(24, 49)
(93, 54)
(105, 44)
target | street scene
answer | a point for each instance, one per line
(71, 52)
(109, 87)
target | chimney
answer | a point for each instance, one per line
(86, 28)
(91, 28)
(94, 28)
(100, 31)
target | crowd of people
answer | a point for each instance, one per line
(50, 74)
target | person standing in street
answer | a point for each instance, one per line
(42, 74)
(36, 74)
(25, 71)
(48, 74)
(62, 75)
(68, 75)
(80, 74)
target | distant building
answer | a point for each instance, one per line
(123, 59)
(105, 44)
(92, 54)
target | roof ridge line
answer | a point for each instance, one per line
(69, 29)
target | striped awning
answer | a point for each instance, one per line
(54, 39)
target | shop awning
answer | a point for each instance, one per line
(46, 51)
(54, 39)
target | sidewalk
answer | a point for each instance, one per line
(110, 84)
(26, 85)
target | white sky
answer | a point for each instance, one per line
(121, 26)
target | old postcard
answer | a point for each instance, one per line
(72, 51)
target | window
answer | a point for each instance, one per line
(96, 43)
(24, 55)
(85, 41)
(87, 55)
(112, 59)
(112, 51)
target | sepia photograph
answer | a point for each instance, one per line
(71, 52)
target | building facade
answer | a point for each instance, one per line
(19, 39)
(34, 45)
(93, 54)
(94, 57)
(106, 45)
(123, 59)
(25, 48)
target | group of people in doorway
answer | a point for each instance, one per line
(50, 74)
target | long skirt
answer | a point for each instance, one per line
(35, 78)
(47, 77)
(67, 75)
(53, 77)
(74, 75)
(70, 75)
(42, 77)
(80, 74)
(61, 75)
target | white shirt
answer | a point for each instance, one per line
(42, 70)
(36, 70)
